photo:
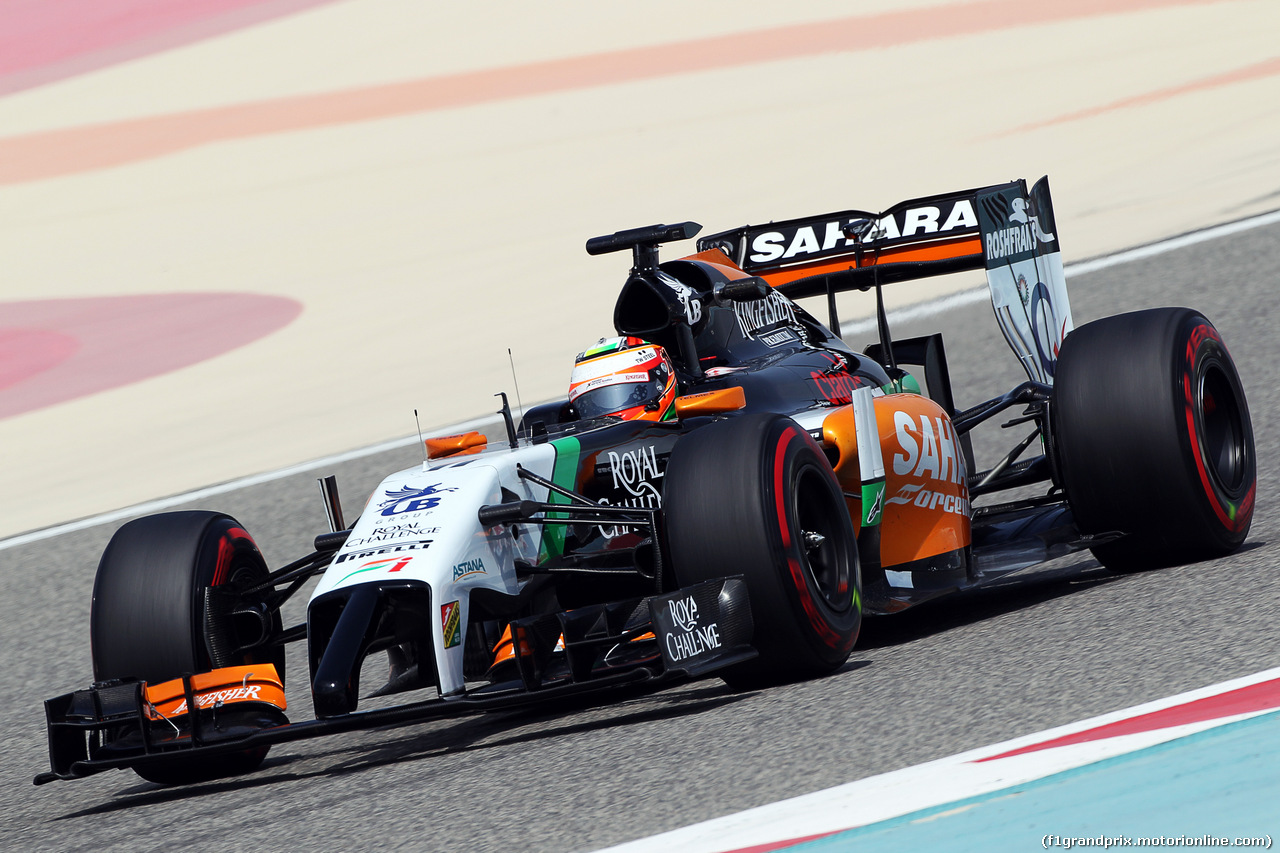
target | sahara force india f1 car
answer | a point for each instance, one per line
(797, 486)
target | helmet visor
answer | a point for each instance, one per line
(611, 399)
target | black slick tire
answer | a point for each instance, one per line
(1154, 440)
(754, 495)
(149, 618)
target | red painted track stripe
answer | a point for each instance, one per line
(783, 844)
(1256, 71)
(87, 345)
(66, 151)
(27, 352)
(42, 41)
(1255, 697)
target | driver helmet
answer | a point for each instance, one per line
(625, 377)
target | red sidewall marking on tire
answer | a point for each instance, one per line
(778, 492)
(1198, 336)
(227, 549)
(824, 631)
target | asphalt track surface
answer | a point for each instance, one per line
(1064, 642)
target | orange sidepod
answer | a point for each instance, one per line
(926, 508)
(257, 682)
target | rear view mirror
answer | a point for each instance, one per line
(746, 289)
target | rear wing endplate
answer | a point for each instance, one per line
(1005, 229)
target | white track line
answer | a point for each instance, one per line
(915, 312)
(162, 504)
(945, 780)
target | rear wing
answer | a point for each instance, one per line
(1005, 229)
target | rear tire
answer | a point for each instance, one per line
(755, 496)
(1154, 438)
(149, 618)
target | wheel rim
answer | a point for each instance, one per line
(1222, 432)
(820, 543)
(250, 625)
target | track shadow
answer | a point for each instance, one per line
(1019, 592)
(469, 734)
(1251, 545)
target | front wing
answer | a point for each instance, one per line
(647, 644)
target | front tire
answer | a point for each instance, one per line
(1154, 438)
(151, 618)
(754, 495)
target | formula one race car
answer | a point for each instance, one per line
(790, 486)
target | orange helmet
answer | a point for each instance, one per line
(625, 377)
